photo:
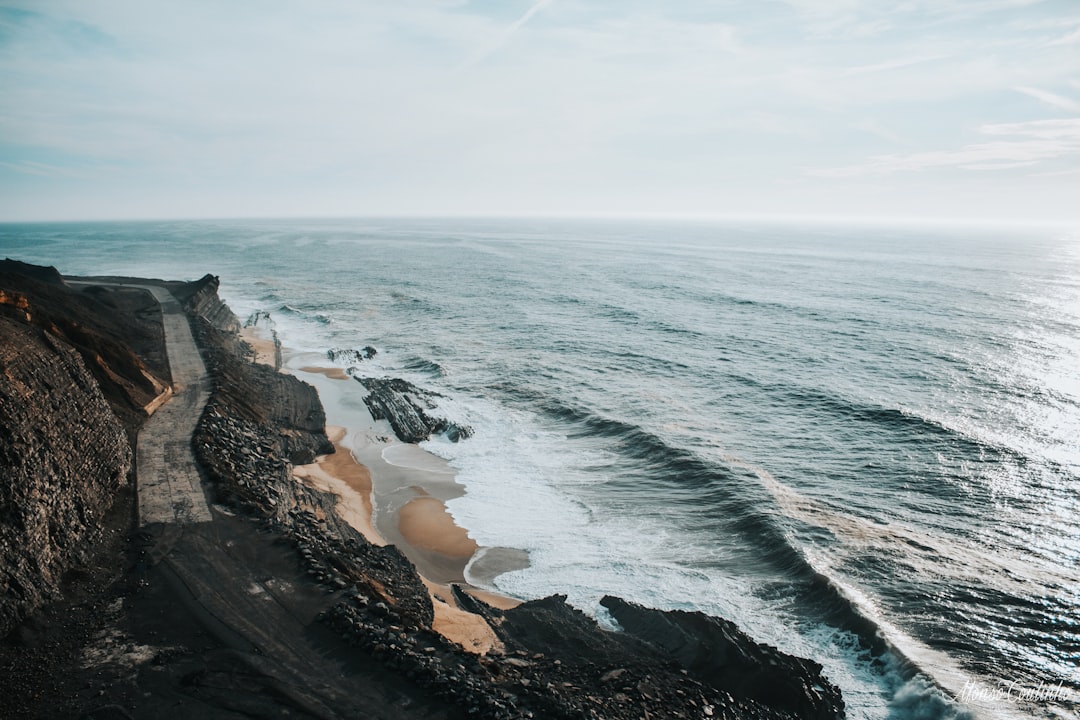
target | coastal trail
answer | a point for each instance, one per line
(169, 484)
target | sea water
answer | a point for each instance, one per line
(861, 443)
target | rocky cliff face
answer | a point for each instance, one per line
(63, 454)
(80, 367)
(256, 394)
(117, 331)
(201, 300)
(257, 424)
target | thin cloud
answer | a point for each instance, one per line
(1038, 141)
(877, 130)
(1068, 129)
(1068, 39)
(1057, 173)
(998, 165)
(1058, 101)
(504, 37)
(893, 64)
(29, 167)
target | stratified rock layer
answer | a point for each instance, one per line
(200, 298)
(63, 454)
(117, 331)
(406, 407)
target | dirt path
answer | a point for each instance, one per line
(170, 490)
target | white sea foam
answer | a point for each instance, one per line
(411, 456)
(521, 481)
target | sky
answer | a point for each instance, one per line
(924, 109)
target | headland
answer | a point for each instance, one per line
(328, 579)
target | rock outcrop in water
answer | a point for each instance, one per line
(406, 407)
(351, 355)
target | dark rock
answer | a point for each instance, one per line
(48, 275)
(350, 355)
(719, 654)
(612, 675)
(257, 318)
(200, 298)
(117, 331)
(457, 433)
(406, 408)
(106, 712)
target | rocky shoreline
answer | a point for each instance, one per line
(377, 651)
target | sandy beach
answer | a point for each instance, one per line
(266, 351)
(394, 493)
(341, 475)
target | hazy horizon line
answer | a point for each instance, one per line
(706, 218)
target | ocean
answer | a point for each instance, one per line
(861, 443)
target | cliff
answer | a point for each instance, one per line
(80, 369)
(201, 300)
(63, 455)
(257, 424)
(254, 394)
(116, 331)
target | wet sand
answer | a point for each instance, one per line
(332, 373)
(425, 523)
(396, 493)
